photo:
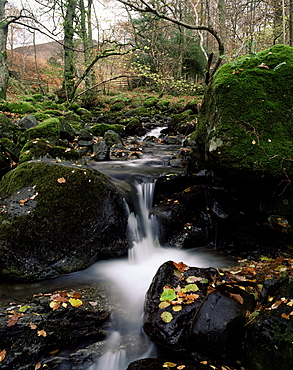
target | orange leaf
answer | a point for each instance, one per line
(22, 201)
(285, 316)
(61, 180)
(58, 298)
(2, 355)
(237, 297)
(55, 305)
(42, 333)
(181, 266)
(38, 366)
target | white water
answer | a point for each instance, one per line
(131, 278)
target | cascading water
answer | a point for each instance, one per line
(131, 278)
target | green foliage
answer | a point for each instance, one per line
(101, 128)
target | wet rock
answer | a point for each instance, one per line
(269, 335)
(111, 137)
(101, 151)
(71, 217)
(159, 364)
(29, 332)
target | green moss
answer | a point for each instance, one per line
(39, 148)
(101, 128)
(248, 108)
(48, 129)
(9, 147)
(41, 116)
(47, 104)
(21, 107)
(150, 102)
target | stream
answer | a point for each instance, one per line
(130, 277)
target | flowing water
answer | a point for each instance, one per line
(129, 277)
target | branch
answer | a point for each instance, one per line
(150, 9)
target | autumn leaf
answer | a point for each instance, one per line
(177, 308)
(285, 316)
(238, 298)
(164, 304)
(93, 304)
(42, 333)
(33, 326)
(12, 320)
(58, 298)
(166, 316)
(75, 302)
(61, 180)
(55, 305)
(193, 279)
(74, 294)
(22, 201)
(38, 366)
(24, 308)
(180, 367)
(169, 364)
(190, 288)
(181, 266)
(2, 355)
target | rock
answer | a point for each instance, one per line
(27, 122)
(7, 128)
(174, 331)
(66, 217)
(159, 364)
(245, 123)
(135, 127)
(269, 335)
(101, 151)
(101, 128)
(172, 140)
(111, 137)
(38, 329)
(49, 129)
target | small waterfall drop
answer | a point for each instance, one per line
(130, 279)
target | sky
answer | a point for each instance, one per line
(106, 15)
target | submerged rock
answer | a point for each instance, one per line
(58, 219)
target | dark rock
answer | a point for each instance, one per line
(159, 364)
(101, 151)
(111, 137)
(27, 122)
(269, 336)
(85, 135)
(74, 209)
(172, 140)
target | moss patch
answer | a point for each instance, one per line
(246, 121)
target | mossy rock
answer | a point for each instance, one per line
(7, 128)
(163, 104)
(53, 112)
(9, 147)
(139, 112)
(38, 97)
(40, 148)
(47, 104)
(101, 128)
(246, 120)
(117, 107)
(85, 114)
(58, 219)
(48, 129)
(41, 116)
(21, 107)
(150, 102)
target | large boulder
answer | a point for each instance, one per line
(58, 218)
(245, 125)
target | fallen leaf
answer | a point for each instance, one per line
(54, 305)
(93, 303)
(33, 326)
(166, 316)
(42, 333)
(2, 355)
(263, 65)
(180, 367)
(61, 180)
(169, 364)
(177, 308)
(168, 294)
(238, 298)
(22, 201)
(54, 352)
(24, 308)
(193, 279)
(12, 320)
(181, 266)
(59, 298)
(190, 288)
(164, 304)
(74, 294)
(285, 316)
(38, 366)
(75, 302)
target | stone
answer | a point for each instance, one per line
(27, 122)
(66, 216)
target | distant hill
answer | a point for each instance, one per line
(44, 51)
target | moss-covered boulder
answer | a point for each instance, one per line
(246, 121)
(101, 128)
(48, 129)
(40, 148)
(21, 107)
(58, 219)
(7, 128)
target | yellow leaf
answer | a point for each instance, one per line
(169, 364)
(177, 308)
(75, 302)
(180, 367)
(54, 305)
(164, 305)
(42, 333)
(166, 316)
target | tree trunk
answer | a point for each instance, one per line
(4, 74)
(68, 44)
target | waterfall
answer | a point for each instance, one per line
(130, 279)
